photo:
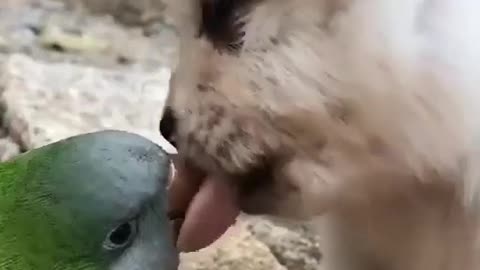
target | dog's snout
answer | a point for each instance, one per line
(168, 125)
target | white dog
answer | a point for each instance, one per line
(365, 112)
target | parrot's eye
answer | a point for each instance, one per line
(121, 236)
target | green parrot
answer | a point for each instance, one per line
(95, 201)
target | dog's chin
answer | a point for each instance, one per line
(259, 191)
(266, 199)
(259, 201)
(264, 205)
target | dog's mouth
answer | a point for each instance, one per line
(201, 208)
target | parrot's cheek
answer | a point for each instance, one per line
(203, 209)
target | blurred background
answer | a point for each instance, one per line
(76, 66)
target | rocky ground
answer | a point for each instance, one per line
(71, 66)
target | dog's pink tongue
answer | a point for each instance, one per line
(211, 212)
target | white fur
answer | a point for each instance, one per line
(406, 72)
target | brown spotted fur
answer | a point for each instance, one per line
(362, 112)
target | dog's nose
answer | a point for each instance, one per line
(168, 125)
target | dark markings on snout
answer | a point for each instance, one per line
(216, 114)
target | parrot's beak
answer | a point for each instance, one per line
(181, 193)
(176, 217)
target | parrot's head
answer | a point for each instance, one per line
(92, 202)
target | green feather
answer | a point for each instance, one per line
(58, 202)
(30, 211)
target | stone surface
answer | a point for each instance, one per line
(238, 249)
(48, 30)
(256, 243)
(48, 102)
(294, 246)
(129, 12)
(8, 148)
